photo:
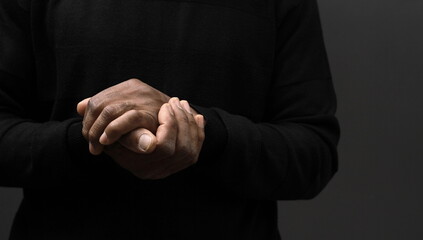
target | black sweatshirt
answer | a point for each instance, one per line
(256, 69)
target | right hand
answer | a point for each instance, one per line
(176, 146)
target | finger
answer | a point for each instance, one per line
(90, 115)
(176, 161)
(199, 119)
(166, 133)
(139, 140)
(188, 144)
(82, 106)
(107, 115)
(187, 129)
(182, 164)
(97, 106)
(198, 133)
(125, 123)
(194, 130)
(95, 148)
(186, 106)
(165, 137)
(193, 126)
(189, 140)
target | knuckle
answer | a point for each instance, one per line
(94, 104)
(184, 151)
(166, 150)
(134, 115)
(133, 80)
(131, 83)
(126, 105)
(109, 111)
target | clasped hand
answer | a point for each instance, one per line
(142, 129)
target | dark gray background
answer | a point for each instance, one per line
(376, 53)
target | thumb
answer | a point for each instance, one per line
(82, 106)
(139, 140)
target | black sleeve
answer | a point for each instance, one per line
(292, 154)
(32, 154)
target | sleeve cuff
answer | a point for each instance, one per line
(78, 146)
(216, 134)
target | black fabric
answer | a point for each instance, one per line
(257, 70)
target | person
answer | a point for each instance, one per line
(93, 128)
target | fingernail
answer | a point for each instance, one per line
(170, 109)
(185, 104)
(144, 142)
(103, 139)
(178, 104)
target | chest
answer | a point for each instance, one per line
(236, 29)
(201, 50)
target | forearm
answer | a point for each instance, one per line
(49, 154)
(32, 154)
(292, 159)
